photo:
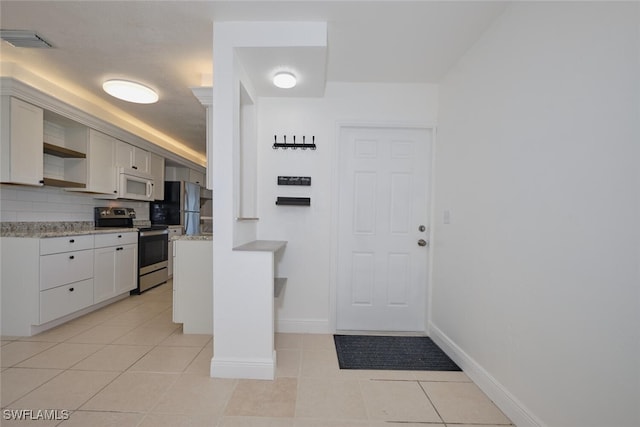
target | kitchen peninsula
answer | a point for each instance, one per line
(193, 283)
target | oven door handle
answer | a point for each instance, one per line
(153, 233)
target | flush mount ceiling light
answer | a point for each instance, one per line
(284, 80)
(130, 91)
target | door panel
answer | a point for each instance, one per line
(384, 198)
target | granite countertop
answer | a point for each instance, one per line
(59, 229)
(198, 237)
(46, 234)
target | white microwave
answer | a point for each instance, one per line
(133, 184)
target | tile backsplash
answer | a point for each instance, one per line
(30, 204)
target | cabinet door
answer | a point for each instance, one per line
(124, 154)
(141, 160)
(63, 300)
(197, 177)
(66, 267)
(126, 268)
(176, 173)
(157, 170)
(104, 279)
(22, 143)
(102, 177)
(129, 156)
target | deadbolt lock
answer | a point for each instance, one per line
(422, 228)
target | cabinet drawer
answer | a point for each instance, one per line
(55, 245)
(67, 267)
(175, 231)
(63, 300)
(115, 239)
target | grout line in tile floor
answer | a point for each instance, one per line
(430, 401)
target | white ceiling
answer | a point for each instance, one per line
(168, 46)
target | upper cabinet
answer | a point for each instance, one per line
(197, 177)
(102, 172)
(157, 171)
(99, 167)
(21, 142)
(44, 141)
(65, 155)
(179, 173)
(132, 157)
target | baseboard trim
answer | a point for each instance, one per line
(303, 326)
(519, 414)
(257, 369)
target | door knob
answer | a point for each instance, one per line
(422, 242)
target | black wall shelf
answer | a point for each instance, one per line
(294, 180)
(294, 201)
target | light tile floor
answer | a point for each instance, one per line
(128, 364)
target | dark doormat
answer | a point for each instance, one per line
(391, 353)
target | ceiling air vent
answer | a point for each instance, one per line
(23, 38)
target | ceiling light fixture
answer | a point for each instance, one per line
(130, 91)
(284, 80)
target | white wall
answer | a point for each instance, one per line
(46, 204)
(307, 259)
(536, 279)
(243, 326)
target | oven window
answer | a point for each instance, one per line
(152, 249)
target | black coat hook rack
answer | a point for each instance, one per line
(284, 145)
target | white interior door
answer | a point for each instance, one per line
(384, 205)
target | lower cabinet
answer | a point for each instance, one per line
(115, 265)
(60, 301)
(45, 281)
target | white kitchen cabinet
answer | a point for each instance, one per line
(47, 281)
(180, 173)
(174, 231)
(66, 244)
(66, 276)
(65, 267)
(193, 286)
(100, 165)
(43, 280)
(176, 173)
(102, 174)
(157, 171)
(115, 261)
(21, 142)
(197, 177)
(65, 299)
(65, 157)
(132, 157)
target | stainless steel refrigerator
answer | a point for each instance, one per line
(181, 206)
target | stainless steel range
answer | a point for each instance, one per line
(153, 242)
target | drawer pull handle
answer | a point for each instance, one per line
(71, 257)
(119, 249)
(119, 236)
(71, 289)
(72, 241)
